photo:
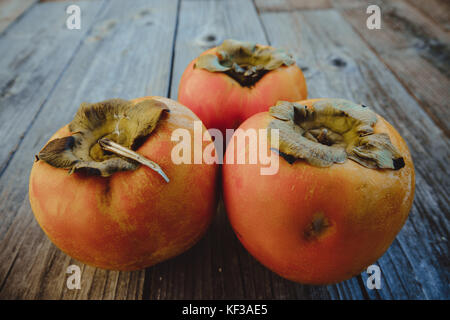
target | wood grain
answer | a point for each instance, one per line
(416, 50)
(438, 10)
(35, 52)
(117, 58)
(289, 5)
(11, 10)
(339, 64)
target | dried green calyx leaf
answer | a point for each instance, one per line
(245, 62)
(117, 121)
(330, 131)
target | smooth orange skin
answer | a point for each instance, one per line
(221, 102)
(365, 207)
(132, 219)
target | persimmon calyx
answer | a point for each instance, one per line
(98, 130)
(330, 131)
(245, 62)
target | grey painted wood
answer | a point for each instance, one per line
(438, 10)
(35, 52)
(120, 56)
(339, 64)
(10, 11)
(289, 5)
(416, 49)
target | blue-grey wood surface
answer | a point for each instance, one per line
(135, 48)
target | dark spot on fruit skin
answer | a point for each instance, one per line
(317, 227)
(106, 194)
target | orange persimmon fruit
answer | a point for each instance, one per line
(115, 210)
(343, 190)
(227, 84)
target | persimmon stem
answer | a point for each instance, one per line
(118, 149)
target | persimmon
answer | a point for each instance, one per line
(227, 84)
(343, 190)
(105, 190)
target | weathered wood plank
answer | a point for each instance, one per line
(339, 64)
(10, 10)
(289, 5)
(416, 50)
(117, 58)
(437, 10)
(35, 52)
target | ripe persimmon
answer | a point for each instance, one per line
(124, 204)
(343, 190)
(227, 84)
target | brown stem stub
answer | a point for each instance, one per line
(116, 148)
(120, 121)
(330, 131)
(317, 227)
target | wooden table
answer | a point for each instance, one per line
(135, 48)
